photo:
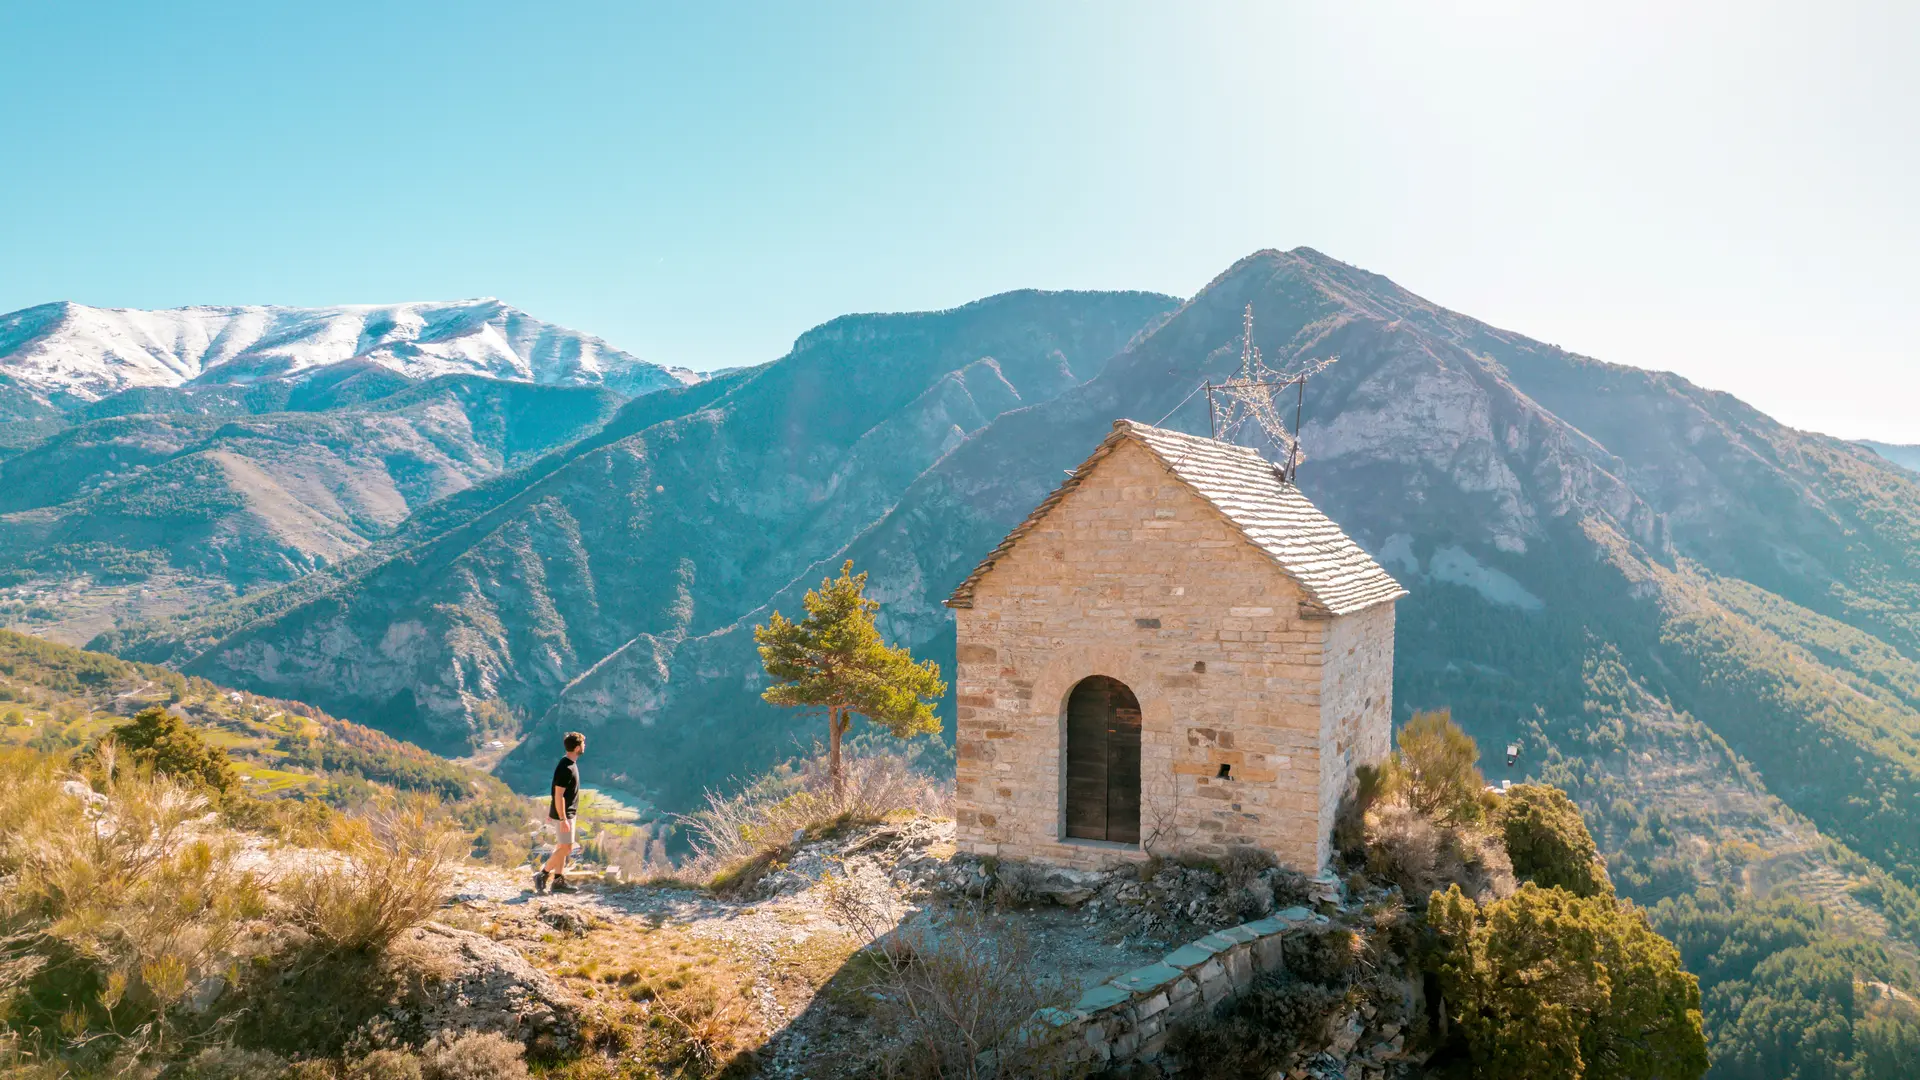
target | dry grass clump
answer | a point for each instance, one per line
(115, 910)
(395, 872)
(473, 1056)
(736, 839)
(678, 1004)
(464, 1055)
(1409, 850)
(961, 1001)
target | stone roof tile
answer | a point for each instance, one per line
(1249, 491)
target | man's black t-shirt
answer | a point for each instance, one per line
(566, 776)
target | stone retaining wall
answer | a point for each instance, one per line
(1127, 1018)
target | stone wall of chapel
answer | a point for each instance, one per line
(1356, 704)
(1135, 577)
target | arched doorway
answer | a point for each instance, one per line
(1103, 761)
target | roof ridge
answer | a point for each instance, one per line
(1269, 512)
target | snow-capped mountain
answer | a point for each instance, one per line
(91, 352)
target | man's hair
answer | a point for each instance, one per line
(573, 741)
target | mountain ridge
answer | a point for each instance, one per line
(87, 353)
(1907, 457)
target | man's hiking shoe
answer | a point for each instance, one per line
(540, 880)
(561, 884)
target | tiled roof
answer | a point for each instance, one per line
(1274, 516)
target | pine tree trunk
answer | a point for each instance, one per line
(835, 726)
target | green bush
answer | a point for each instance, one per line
(157, 739)
(1548, 842)
(1546, 985)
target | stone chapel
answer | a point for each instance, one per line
(1175, 652)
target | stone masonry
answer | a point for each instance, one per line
(1255, 636)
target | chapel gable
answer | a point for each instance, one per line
(1175, 651)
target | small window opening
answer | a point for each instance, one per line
(1199, 667)
(1226, 773)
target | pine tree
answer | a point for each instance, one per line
(1546, 985)
(835, 659)
(159, 740)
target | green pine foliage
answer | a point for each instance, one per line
(1548, 842)
(1546, 985)
(1791, 996)
(159, 740)
(834, 659)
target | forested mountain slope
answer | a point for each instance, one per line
(1905, 456)
(188, 494)
(671, 522)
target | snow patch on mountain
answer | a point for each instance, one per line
(91, 352)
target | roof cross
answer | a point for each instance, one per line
(1257, 394)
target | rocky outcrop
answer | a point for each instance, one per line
(468, 982)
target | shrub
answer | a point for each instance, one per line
(232, 1063)
(111, 914)
(1277, 1018)
(1016, 884)
(1325, 957)
(1350, 818)
(1547, 985)
(955, 993)
(1408, 850)
(385, 1065)
(1246, 893)
(1436, 769)
(1548, 842)
(736, 838)
(394, 875)
(157, 739)
(473, 1056)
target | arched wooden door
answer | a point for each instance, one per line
(1103, 761)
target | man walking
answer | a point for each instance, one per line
(560, 807)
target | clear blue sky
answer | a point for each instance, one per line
(1728, 191)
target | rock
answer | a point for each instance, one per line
(1069, 888)
(1347, 1035)
(1326, 889)
(468, 982)
(79, 790)
(205, 993)
(566, 920)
